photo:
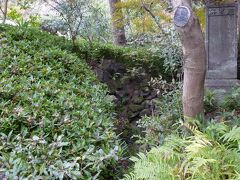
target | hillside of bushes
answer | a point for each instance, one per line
(60, 111)
(55, 117)
(58, 120)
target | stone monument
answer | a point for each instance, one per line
(221, 46)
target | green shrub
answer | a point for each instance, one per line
(131, 57)
(55, 120)
(151, 62)
(209, 101)
(195, 150)
(208, 153)
(168, 113)
(231, 100)
(38, 39)
(164, 120)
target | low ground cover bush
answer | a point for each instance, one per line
(55, 119)
(130, 57)
(154, 62)
(53, 105)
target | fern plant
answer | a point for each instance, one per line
(207, 153)
(209, 101)
(231, 101)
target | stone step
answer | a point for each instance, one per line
(222, 83)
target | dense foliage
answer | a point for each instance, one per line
(132, 58)
(55, 118)
(197, 149)
(80, 18)
(211, 152)
(164, 121)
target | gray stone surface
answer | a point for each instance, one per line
(221, 42)
(221, 46)
(222, 83)
(221, 87)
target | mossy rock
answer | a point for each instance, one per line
(135, 107)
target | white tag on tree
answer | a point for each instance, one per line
(181, 16)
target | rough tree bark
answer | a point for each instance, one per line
(4, 11)
(194, 62)
(119, 37)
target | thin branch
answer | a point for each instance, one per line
(1, 10)
(5, 11)
(152, 15)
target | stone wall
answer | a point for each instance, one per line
(131, 93)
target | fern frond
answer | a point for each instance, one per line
(203, 155)
(175, 143)
(190, 124)
(197, 143)
(140, 156)
(130, 176)
(232, 135)
(216, 130)
(199, 162)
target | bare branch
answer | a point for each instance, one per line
(1, 10)
(152, 15)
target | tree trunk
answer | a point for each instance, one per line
(238, 18)
(194, 62)
(5, 8)
(119, 37)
